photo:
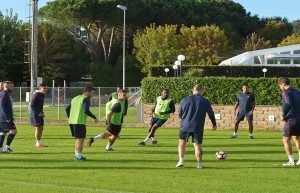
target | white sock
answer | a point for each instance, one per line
(250, 135)
(147, 139)
(97, 137)
(38, 142)
(291, 158)
(153, 139)
(108, 146)
(78, 155)
(234, 133)
(180, 159)
(7, 146)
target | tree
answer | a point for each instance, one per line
(275, 30)
(290, 40)
(156, 46)
(11, 53)
(255, 42)
(203, 45)
(296, 26)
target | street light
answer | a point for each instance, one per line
(264, 71)
(167, 70)
(181, 58)
(175, 67)
(124, 9)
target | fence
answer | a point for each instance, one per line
(57, 98)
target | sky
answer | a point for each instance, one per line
(263, 8)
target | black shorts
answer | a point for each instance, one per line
(114, 129)
(157, 121)
(78, 130)
(197, 137)
(291, 128)
(37, 121)
(5, 126)
(241, 117)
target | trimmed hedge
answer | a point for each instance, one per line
(232, 71)
(218, 90)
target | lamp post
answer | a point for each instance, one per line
(181, 58)
(264, 71)
(175, 70)
(124, 9)
(178, 64)
(167, 70)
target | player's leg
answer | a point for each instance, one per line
(2, 138)
(286, 140)
(250, 123)
(158, 124)
(114, 130)
(151, 125)
(103, 135)
(38, 136)
(80, 133)
(183, 138)
(10, 137)
(197, 142)
(239, 118)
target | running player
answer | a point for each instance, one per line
(163, 107)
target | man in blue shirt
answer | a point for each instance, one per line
(291, 117)
(37, 114)
(192, 112)
(245, 101)
(7, 124)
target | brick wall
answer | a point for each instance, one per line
(260, 118)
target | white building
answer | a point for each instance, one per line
(279, 56)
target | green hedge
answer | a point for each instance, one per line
(218, 90)
(232, 71)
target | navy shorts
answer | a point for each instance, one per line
(197, 137)
(157, 121)
(114, 129)
(5, 127)
(37, 121)
(78, 130)
(240, 117)
(291, 128)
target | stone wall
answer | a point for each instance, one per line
(264, 117)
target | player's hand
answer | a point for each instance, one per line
(41, 114)
(281, 118)
(96, 120)
(251, 113)
(214, 127)
(8, 120)
(161, 113)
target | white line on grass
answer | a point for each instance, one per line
(61, 186)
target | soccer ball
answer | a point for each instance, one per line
(221, 155)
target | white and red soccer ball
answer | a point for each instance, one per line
(221, 155)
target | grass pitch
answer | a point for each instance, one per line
(251, 166)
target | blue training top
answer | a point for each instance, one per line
(291, 104)
(6, 110)
(37, 103)
(192, 112)
(246, 102)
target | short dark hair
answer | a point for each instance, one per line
(284, 80)
(43, 85)
(165, 89)
(89, 89)
(198, 87)
(122, 91)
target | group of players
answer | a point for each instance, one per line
(192, 112)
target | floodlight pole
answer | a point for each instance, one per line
(124, 9)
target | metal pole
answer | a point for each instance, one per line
(20, 102)
(34, 55)
(58, 115)
(124, 49)
(99, 113)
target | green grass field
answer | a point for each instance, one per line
(251, 166)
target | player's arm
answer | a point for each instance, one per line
(86, 108)
(286, 104)
(153, 109)
(68, 110)
(253, 105)
(126, 107)
(211, 115)
(4, 109)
